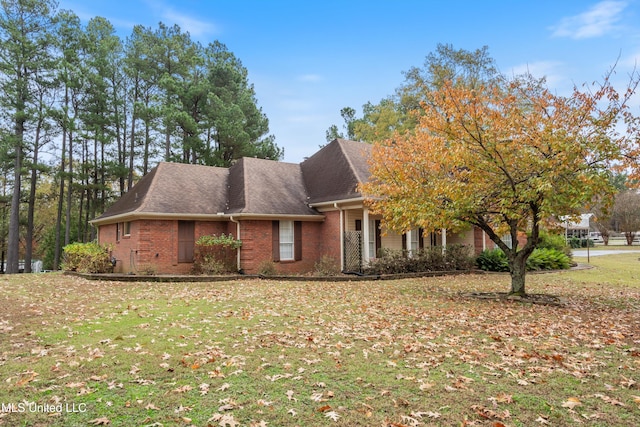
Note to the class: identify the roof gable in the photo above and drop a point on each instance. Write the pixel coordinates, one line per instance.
(175, 188)
(334, 172)
(267, 187)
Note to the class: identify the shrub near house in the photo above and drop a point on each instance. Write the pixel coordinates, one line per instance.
(86, 258)
(216, 254)
(551, 254)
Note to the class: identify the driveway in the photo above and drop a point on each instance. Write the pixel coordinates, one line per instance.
(601, 252)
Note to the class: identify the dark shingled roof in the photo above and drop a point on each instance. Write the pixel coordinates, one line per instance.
(251, 186)
(333, 173)
(267, 187)
(175, 188)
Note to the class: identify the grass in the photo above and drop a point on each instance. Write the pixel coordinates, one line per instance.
(413, 352)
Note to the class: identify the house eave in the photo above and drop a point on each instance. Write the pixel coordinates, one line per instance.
(291, 217)
(339, 202)
(132, 216)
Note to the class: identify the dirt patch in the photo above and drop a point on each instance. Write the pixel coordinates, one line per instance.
(540, 299)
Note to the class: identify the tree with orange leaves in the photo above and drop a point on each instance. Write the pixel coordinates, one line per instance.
(505, 157)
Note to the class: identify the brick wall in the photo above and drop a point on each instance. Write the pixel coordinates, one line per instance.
(318, 239)
(152, 245)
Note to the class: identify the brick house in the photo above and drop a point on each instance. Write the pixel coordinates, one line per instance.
(291, 214)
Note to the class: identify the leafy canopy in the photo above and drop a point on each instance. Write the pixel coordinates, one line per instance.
(504, 155)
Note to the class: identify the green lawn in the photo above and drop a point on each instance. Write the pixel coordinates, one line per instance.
(413, 352)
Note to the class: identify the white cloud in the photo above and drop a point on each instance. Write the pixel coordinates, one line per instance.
(311, 78)
(599, 20)
(631, 61)
(195, 27)
(547, 69)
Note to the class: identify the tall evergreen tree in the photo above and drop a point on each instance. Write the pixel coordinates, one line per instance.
(69, 76)
(24, 25)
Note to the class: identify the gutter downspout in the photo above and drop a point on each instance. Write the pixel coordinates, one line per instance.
(237, 237)
(335, 205)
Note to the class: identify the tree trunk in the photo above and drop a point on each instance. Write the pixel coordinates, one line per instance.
(518, 272)
(63, 165)
(13, 240)
(67, 227)
(28, 251)
(629, 235)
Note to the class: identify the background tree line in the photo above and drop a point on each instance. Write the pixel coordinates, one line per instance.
(83, 113)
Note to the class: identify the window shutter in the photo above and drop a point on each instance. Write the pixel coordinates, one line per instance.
(297, 240)
(186, 240)
(404, 242)
(421, 238)
(275, 240)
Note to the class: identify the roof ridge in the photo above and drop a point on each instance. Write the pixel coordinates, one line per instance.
(145, 200)
(348, 158)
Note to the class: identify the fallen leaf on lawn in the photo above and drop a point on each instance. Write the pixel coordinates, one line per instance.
(571, 403)
(98, 378)
(223, 387)
(28, 377)
(290, 394)
(292, 412)
(225, 420)
(410, 421)
(333, 415)
(324, 408)
(627, 382)
(610, 400)
(317, 397)
(542, 420)
(183, 389)
(226, 407)
(204, 388)
(103, 421)
(75, 385)
(504, 398)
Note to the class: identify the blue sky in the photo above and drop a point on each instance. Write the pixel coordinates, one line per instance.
(309, 59)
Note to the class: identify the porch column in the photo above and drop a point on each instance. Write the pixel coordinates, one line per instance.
(365, 234)
(408, 240)
(444, 239)
(341, 237)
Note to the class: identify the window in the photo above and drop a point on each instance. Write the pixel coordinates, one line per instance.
(375, 238)
(416, 234)
(287, 240)
(507, 240)
(186, 240)
(126, 228)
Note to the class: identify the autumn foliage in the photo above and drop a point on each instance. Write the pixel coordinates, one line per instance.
(506, 157)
